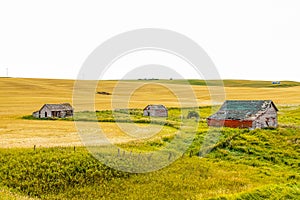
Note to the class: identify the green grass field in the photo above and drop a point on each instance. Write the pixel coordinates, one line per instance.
(241, 164)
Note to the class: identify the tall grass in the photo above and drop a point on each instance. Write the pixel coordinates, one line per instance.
(41, 172)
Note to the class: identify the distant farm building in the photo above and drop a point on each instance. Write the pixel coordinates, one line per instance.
(276, 82)
(245, 114)
(54, 110)
(155, 111)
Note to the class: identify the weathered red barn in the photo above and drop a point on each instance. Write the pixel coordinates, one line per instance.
(245, 114)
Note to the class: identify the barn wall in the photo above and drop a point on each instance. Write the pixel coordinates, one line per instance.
(156, 112)
(43, 110)
(230, 123)
(63, 113)
(146, 112)
(215, 123)
(267, 119)
(159, 113)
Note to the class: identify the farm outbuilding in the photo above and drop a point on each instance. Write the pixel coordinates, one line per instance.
(156, 111)
(245, 114)
(54, 110)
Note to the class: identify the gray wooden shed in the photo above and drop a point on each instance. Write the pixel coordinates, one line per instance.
(54, 110)
(155, 111)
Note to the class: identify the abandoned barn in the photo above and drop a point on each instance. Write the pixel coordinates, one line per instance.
(245, 114)
(54, 110)
(156, 111)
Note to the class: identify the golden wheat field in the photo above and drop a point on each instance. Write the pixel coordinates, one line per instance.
(21, 96)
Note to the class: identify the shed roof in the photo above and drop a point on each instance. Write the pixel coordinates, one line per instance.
(242, 109)
(58, 107)
(158, 106)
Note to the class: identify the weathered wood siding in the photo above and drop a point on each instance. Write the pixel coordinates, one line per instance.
(154, 112)
(45, 112)
(267, 119)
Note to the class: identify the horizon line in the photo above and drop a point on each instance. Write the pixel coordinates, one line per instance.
(150, 79)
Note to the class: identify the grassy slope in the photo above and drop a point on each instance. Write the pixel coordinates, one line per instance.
(253, 164)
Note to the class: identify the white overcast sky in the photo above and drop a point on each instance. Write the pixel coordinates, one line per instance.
(246, 39)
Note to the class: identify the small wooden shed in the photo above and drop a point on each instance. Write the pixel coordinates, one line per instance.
(245, 114)
(54, 110)
(155, 111)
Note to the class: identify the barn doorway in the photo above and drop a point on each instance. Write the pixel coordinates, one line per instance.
(45, 114)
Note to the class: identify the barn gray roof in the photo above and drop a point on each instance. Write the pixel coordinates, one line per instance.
(58, 107)
(242, 109)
